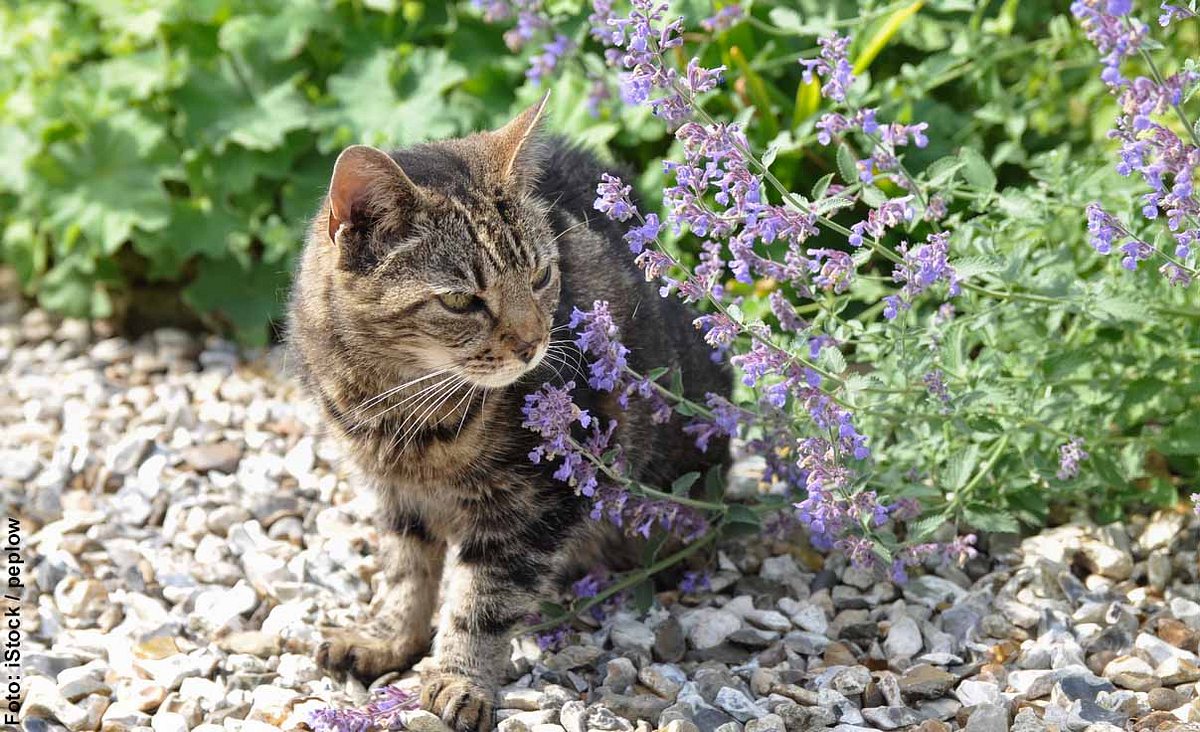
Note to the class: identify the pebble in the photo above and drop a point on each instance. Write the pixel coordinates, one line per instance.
(192, 536)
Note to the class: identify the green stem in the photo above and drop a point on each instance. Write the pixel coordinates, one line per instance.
(982, 473)
(628, 581)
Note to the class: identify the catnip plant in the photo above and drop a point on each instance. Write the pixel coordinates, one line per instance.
(809, 347)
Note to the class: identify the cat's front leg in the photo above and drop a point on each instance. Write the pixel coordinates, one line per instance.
(399, 632)
(495, 583)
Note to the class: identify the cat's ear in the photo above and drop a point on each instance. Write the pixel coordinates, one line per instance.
(517, 147)
(368, 181)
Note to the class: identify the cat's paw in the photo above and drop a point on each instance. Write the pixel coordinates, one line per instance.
(463, 704)
(365, 655)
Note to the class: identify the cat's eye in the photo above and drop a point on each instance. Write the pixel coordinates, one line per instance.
(541, 278)
(459, 302)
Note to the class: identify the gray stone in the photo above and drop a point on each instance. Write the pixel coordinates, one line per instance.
(988, 718)
(663, 679)
(620, 674)
(903, 639)
(738, 705)
(628, 634)
(708, 627)
(891, 717)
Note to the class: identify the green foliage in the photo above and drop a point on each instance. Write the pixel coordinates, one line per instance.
(187, 143)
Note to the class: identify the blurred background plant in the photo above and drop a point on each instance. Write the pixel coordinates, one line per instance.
(159, 160)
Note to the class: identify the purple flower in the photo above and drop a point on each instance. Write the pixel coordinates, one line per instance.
(936, 385)
(640, 237)
(1196, 503)
(723, 20)
(1069, 456)
(1115, 36)
(546, 62)
(385, 711)
(612, 198)
(694, 582)
(960, 549)
(553, 639)
(832, 65)
(922, 267)
(1172, 12)
(726, 420)
(597, 337)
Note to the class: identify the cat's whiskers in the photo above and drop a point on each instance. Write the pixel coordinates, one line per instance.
(467, 411)
(446, 386)
(368, 403)
(558, 360)
(576, 358)
(423, 390)
(568, 230)
(458, 404)
(425, 415)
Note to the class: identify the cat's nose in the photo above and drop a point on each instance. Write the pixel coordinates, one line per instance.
(524, 350)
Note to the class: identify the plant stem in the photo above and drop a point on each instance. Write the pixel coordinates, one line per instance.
(628, 581)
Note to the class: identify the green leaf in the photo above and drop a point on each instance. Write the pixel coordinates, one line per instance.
(832, 360)
(976, 170)
(279, 35)
(714, 483)
(925, 527)
(740, 520)
(967, 267)
(992, 520)
(822, 185)
(234, 298)
(1119, 307)
(653, 546)
(643, 595)
(961, 466)
(942, 171)
(873, 197)
(220, 107)
(847, 165)
(107, 183)
(684, 483)
(551, 610)
(371, 109)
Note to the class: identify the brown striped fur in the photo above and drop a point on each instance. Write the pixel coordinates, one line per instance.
(446, 454)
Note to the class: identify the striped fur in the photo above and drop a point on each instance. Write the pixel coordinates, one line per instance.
(445, 451)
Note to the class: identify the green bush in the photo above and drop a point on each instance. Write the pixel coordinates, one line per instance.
(159, 158)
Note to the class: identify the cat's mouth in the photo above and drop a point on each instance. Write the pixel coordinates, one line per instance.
(512, 370)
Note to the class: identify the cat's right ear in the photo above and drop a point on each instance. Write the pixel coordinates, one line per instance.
(368, 181)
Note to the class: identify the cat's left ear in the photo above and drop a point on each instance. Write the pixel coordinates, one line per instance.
(517, 146)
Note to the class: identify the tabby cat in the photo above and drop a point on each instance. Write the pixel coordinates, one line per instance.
(423, 312)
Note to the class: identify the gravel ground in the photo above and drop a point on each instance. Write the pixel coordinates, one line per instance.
(186, 536)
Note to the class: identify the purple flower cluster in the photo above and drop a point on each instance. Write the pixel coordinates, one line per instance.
(1172, 12)
(530, 15)
(637, 44)
(957, 551)
(1196, 503)
(1150, 148)
(552, 414)
(725, 19)
(832, 66)
(385, 711)
(597, 337)
(935, 382)
(694, 582)
(717, 193)
(1116, 37)
(1069, 456)
(546, 62)
(923, 266)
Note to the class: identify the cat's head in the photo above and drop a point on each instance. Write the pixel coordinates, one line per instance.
(441, 258)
